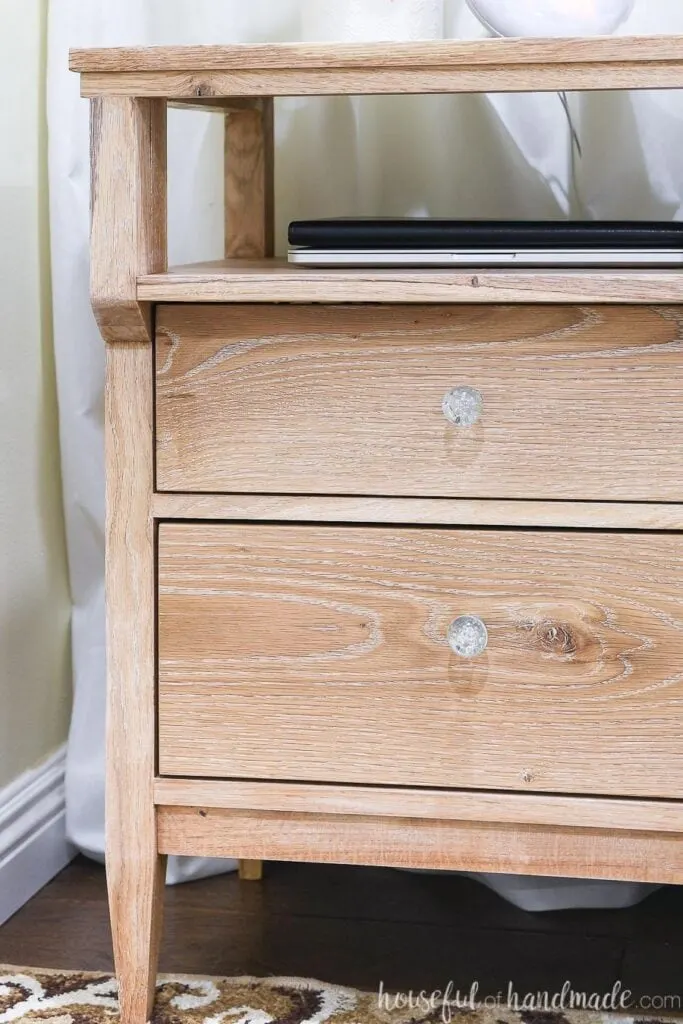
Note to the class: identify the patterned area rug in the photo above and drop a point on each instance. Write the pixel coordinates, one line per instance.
(64, 997)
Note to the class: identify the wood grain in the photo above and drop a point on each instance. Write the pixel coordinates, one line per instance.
(135, 871)
(278, 281)
(438, 67)
(422, 511)
(579, 403)
(474, 78)
(249, 182)
(308, 56)
(128, 200)
(320, 654)
(414, 843)
(439, 804)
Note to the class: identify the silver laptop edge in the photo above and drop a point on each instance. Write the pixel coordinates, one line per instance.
(552, 258)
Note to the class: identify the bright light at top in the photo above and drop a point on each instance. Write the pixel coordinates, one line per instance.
(552, 17)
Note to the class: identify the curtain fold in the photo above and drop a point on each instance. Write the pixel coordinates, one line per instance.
(441, 156)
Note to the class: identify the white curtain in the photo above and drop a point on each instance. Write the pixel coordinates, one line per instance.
(442, 156)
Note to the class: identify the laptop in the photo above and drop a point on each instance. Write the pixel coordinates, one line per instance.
(422, 242)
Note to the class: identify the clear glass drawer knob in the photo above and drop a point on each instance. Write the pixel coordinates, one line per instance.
(468, 636)
(463, 406)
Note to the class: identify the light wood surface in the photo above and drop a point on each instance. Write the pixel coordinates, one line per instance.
(423, 511)
(445, 805)
(414, 843)
(635, 50)
(251, 870)
(578, 402)
(441, 67)
(278, 281)
(474, 78)
(135, 871)
(249, 182)
(320, 654)
(128, 200)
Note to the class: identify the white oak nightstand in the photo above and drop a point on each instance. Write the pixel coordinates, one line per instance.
(394, 568)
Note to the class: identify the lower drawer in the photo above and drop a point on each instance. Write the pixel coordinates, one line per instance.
(329, 654)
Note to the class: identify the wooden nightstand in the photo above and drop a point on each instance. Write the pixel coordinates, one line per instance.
(394, 569)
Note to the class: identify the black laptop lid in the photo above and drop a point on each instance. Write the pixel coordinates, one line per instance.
(423, 233)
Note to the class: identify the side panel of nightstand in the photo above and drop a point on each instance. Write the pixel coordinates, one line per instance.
(128, 236)
(128, 240)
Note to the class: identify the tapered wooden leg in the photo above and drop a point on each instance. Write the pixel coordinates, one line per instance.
(251, 870)
(136, 896)
(135, 871)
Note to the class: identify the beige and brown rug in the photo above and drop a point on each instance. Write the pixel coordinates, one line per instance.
(67, 997)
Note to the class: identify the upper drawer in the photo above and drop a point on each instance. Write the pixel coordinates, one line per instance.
(575, 403)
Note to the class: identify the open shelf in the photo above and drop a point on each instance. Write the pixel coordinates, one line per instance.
(276, 281)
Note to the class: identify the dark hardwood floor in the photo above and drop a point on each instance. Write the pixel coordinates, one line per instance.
(363, 926)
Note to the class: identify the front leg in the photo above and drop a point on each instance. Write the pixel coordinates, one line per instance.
(135, 870)
(136, 894)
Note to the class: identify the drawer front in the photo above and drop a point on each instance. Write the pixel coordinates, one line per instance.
(323, 654)
(569, 403)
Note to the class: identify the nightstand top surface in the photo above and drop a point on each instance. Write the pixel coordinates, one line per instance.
(634, 50)
(443, 66)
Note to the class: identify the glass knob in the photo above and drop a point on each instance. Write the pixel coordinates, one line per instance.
(468, 636)
(463, 406)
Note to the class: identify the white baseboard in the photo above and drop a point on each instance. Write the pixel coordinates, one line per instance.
(33, 843)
